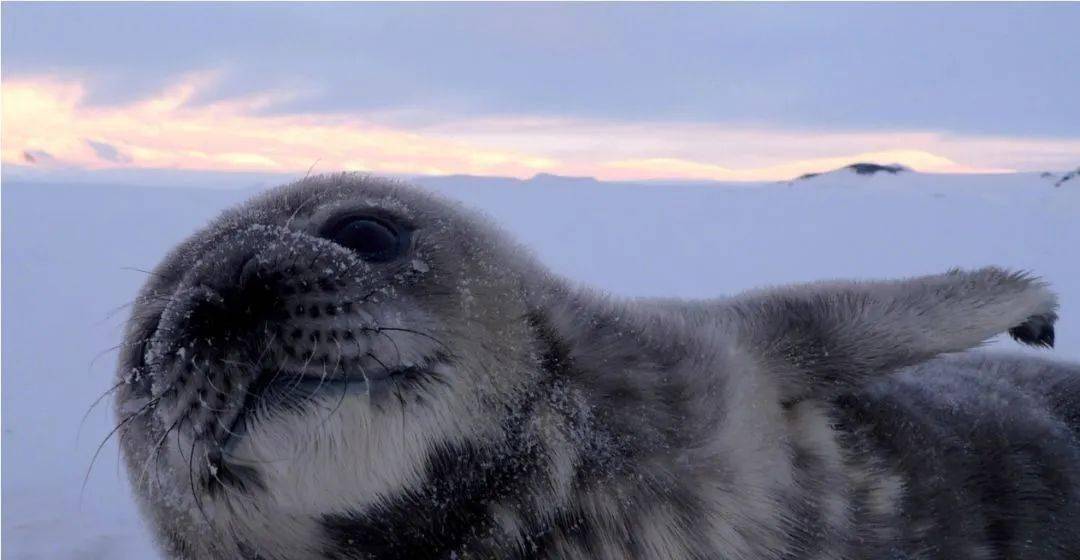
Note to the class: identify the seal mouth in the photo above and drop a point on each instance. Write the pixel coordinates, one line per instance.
(279, 390)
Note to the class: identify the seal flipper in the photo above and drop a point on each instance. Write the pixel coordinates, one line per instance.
(831, 337)
(1038, 330)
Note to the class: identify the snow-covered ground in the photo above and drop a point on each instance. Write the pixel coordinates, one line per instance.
(71, 254)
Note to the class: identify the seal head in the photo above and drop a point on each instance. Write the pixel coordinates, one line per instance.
(303, 353)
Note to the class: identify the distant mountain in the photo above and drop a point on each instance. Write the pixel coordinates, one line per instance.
(858, 169)
(541, 178)
(1059, 180)
(857, 175)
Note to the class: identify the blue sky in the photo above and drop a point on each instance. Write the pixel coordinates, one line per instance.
(972, 77)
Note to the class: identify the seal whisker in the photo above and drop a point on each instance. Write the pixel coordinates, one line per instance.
(415, 332)
(266, 350)
(381, 364)
(153, 455)
(104, 352)
(112, 432)
(114, 311)
(122, 345)
(148, 272)
(336, 368)
(308, 396)
(397, 350)
(307, 364)
(164, 442)
(341, 398)
(97, 401)
(300, 207)
(180, 448)
(194, 492)
(309, 169)
(140, 299)
(209, 380)
(281, 369)
(165, 300)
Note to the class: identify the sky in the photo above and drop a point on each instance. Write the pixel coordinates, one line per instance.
(623, 92)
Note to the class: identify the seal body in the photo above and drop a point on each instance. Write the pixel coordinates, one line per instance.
(988, 450)
(350, 368)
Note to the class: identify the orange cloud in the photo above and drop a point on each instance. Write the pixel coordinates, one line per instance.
(166, 132)
(45, 120)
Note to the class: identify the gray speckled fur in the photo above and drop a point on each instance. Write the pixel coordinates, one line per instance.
(815, 421)
(988, 447)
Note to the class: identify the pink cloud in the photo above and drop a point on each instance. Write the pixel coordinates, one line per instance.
(46, 115)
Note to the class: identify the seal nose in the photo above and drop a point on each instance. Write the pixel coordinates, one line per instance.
(209, 337)
(233, 302)
(235, 293)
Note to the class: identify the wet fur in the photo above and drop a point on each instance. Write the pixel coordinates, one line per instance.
(810, 421)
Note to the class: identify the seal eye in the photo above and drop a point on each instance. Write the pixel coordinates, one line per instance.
(373, 239)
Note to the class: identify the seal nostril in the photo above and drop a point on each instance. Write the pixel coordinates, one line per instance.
(232, 312)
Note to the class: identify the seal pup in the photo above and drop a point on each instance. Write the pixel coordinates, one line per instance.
(349, 368)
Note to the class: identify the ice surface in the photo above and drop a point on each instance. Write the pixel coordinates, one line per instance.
(70, 254)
